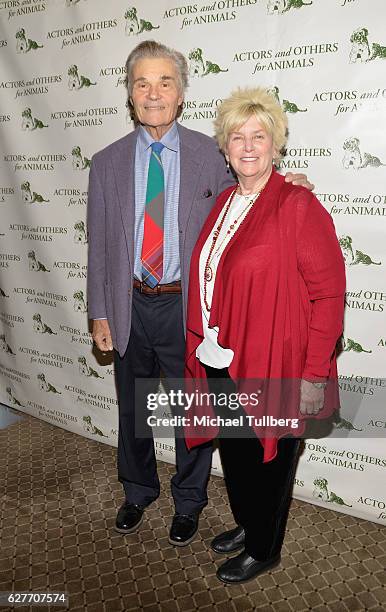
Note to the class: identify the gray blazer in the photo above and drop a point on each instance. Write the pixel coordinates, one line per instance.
(110, 220)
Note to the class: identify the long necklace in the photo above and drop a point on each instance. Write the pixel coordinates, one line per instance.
(251, 201)
(208, 271)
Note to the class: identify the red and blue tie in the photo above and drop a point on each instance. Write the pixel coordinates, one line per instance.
(153, 231)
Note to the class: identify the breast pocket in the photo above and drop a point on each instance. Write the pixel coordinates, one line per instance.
(202, 207)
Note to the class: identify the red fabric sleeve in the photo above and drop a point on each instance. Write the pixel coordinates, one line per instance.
(321, 265)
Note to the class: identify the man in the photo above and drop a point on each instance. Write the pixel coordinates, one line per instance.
(149, 195)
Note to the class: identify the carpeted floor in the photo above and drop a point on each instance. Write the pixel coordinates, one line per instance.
(59, 496)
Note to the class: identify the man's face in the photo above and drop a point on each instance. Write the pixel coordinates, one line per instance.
(156, 94)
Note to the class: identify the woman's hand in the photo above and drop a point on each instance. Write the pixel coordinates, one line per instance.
(311, 397)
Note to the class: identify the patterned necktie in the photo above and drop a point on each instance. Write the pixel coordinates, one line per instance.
(153, 231)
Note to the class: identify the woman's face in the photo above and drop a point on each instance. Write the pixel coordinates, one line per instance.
(250, 150)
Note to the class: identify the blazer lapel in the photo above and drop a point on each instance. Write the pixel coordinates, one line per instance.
(190, 169)
(123, 162)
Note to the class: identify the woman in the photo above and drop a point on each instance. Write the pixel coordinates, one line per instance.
(265, 311)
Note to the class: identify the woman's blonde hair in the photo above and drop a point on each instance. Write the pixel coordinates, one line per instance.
(242, 104)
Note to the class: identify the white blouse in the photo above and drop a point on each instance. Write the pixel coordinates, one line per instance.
(209, 352)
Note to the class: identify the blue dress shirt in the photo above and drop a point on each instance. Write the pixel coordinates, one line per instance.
(170, 157)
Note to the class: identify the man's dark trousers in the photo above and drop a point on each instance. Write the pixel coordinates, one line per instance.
(156, 343)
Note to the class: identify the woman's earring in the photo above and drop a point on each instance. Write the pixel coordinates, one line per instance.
(228, 164)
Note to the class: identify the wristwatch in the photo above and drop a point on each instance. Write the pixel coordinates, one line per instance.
(319, 385)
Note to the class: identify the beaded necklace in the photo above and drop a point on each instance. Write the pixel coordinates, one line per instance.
(208, 271)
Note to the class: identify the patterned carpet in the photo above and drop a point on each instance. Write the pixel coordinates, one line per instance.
(59, 496)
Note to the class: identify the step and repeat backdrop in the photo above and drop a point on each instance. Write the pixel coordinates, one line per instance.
(62, 98)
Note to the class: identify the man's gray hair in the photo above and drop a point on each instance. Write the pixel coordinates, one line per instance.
(151, 48)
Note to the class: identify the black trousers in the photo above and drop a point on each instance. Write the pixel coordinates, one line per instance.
(259, 493)
(156, 343)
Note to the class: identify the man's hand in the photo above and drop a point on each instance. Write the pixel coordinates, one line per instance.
(299, 179)
(311, 397)
(101, 335)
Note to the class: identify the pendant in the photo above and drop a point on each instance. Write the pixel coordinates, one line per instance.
(208, 274)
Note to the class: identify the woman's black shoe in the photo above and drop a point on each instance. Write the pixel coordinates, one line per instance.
(229, 541)
(243, 568)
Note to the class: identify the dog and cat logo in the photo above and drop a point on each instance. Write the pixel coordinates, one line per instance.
(34, 265)
(361, 51)
(288, 107)
(355, 158)
(31, 197)
(322, 491)
(90, 428)
(79, 302)
(4, 346)
(30, 123)
(11, 398)
(352, 345)
(340, 423)
(24, 44)
(40, 327)
(80, 235)
(354, 257)
(86, 370)
(200, 67)
(79, 161)
(135, 25)
(278, 7)
(46, 386)
(77, 81)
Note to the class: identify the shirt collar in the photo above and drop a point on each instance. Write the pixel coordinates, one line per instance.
(171, 140)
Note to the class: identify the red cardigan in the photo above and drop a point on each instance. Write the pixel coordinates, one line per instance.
(278, 301)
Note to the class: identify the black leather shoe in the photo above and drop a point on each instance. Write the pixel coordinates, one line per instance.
(243, 568)
(129, 518)
(229, 541)
(184, 528)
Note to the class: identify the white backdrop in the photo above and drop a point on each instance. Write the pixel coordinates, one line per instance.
(62, 99)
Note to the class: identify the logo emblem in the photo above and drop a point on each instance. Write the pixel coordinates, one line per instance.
(35, 265)
(3, 294)
(340, 423)
(77, 81)
(351, 345)
(91, 429)
(31, 196)
(321, 491)
(135, 25)
(354, 257)
(288, 107)
(12, 399)
(198, 67)
(278, 7)
(360, 48)
(4, 346)
(30, 123)
(355, 158)
(79, 303)
(46, 386)
(79, 161)
(86, 370)
(40, 327)
(80, 236)
(23, 45)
